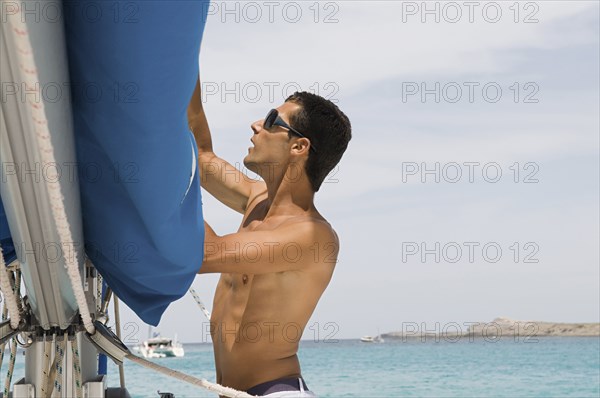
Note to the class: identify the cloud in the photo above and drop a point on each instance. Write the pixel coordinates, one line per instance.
(370, 43)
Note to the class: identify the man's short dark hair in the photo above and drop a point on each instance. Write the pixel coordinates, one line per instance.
(327, 128)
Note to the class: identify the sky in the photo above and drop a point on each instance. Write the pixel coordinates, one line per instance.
(470, 189)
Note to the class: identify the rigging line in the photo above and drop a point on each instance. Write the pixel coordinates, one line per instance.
(200, 303)
(11, 366)
(216, 388)
(76, 368)
(46, 365)
(118, 327)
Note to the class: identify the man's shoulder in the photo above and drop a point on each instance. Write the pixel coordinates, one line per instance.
(314, 220)
(311, 226)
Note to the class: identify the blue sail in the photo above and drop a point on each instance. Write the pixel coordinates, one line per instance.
(133, 67)
(6, 243)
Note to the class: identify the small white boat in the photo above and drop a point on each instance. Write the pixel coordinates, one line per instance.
(161, 347)
(369, 339)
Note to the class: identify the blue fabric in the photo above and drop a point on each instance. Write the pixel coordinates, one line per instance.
(133, 66)
(6, 243)
(102, 364)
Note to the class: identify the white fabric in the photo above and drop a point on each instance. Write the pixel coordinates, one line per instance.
(293, 394)
(193, 172)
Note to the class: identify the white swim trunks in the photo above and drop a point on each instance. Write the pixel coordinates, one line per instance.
(283, 388)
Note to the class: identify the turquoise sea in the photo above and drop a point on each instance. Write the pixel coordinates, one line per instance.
(548, 367)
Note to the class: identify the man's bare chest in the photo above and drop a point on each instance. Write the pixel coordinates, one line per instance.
(255, 219)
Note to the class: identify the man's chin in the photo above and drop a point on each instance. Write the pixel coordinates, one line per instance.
(250, 165)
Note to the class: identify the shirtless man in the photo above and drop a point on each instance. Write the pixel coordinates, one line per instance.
(276, 267)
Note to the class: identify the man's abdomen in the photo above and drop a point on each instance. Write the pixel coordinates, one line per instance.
(245, 363)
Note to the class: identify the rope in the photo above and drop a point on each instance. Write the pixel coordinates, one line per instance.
(216, 388)
(10, 298)
(46, 151)
(99, 283)
(60, 353)
(46, 366)
(11, 366)
(17, 289)
(200, 303)
(52, 374)
(118, 327)
(3, 346)
(76, 368)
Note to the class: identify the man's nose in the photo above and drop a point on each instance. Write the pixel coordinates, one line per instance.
(257, 126)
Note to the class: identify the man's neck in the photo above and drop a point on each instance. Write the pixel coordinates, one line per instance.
(289, 197)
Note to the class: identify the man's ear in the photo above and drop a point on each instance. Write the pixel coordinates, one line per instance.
(300, 146)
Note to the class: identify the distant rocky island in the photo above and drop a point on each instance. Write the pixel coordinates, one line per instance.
(499, 328)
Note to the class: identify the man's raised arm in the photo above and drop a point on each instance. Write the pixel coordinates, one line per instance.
(295, 246)
(222, 180)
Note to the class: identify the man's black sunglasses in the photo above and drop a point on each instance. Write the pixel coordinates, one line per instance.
(273, 119)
